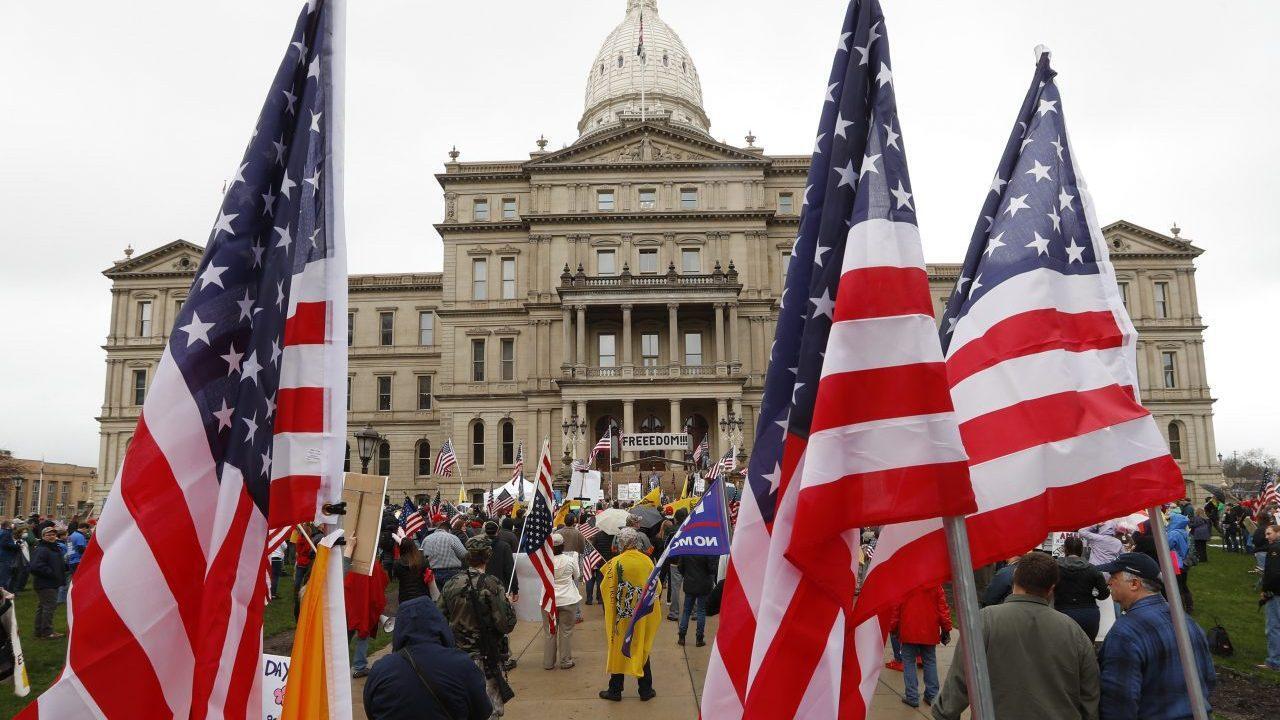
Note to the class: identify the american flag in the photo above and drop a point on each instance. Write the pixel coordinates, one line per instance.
(412, 519)
(242, 430)
(724, 466)
(700, 452)
(1270, 494)
(591, 559)
(536, 538)
(501, 503)
(277, 537)
(580, 466)
(603, 445)
(856, 425)
(517, 472)
(446, 461)
(1042, 363)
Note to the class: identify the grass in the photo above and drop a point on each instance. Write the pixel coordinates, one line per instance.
(1225, 593)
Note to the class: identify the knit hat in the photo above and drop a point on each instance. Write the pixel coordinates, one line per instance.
(479, 544)
(557, 539)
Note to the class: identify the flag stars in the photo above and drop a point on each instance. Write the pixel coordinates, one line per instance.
(290, 98)
(846, 174)
(250, 368)
(823, 305)
(275, 353)
(280, 295)
(271, 405)
(257, 250)
(775, 477)
(287, 185)
(212, 275)
(315, 121)
(285, 237)
(315, 242)
(196, 330)
(268, 203)
(817, 144)
(997, 183)
(902, 197)
(314, 180)
(224, 416)
(843, 45)
(313, 70)
(1046, 107)
(1016, 203)
(233, 360)
(239, 178)
(266, 464)
(993, 243)
(951, 325)
(831, 89)
(279, 145)
(841, 125)
(960, 284)
(1064, 199)
(885, 76)
(1055, 218)
(1040, 171)
(1057, 146)
(818, 252)
(246, 307)
(869, 165)
(1041, 244)
(223, 223)
(1075, 253)
(891, 138)
(252, 424)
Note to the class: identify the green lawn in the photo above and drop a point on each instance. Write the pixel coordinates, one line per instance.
(1224, 592)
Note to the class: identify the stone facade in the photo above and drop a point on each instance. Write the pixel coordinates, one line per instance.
(57, 490)
(629, 279)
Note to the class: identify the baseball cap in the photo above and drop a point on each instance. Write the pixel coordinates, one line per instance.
(1135, 564)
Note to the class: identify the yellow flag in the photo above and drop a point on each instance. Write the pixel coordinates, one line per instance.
(462, 495)
(684, 489)
(560, 516)
(685, 503)
(307, 692)
(653, 498)
(516, 508)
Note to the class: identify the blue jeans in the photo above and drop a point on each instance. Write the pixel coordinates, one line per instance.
(910, 651)
(690, 602)
(1272, 611)
(897, 646)
(443, 575)
(276, 564)
(593, 588)
(361, 660)
(674, 586)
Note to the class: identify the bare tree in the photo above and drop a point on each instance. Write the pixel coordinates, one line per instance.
(1250, 465)
(10, 468)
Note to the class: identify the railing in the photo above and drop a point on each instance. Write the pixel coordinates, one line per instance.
(604, 372)
(652, 371)
(645, 281)
(697, 370)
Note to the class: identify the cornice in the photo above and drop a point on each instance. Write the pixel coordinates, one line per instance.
(481, 227)
(128, 268)
(649, 216)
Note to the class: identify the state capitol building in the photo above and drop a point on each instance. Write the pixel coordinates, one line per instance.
(630, 279)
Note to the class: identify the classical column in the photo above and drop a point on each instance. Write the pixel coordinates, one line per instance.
(675, 428)
(582, 336)
(722, 413)
(626, 336)
(673, 335)
(719, 312)
(567, 340)
(733, 333)
(628, 417)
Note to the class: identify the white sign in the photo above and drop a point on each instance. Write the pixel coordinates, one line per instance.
(275, 671)
(654, 441)
(586, 485)
(629, 492)
(699, 484)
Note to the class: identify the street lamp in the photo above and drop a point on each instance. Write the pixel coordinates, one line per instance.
(367, 441)
(731, 425)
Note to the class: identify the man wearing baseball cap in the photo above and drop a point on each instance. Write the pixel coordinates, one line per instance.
(1141, 672)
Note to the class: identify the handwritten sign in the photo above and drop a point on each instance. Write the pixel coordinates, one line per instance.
(275, 671)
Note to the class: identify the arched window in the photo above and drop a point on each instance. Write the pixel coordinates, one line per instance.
(346, 459)
(1175, 440)
(384, 458)
(665, 60)
(652, 424)
(477, 444)
(424, 457)
(619, 61)
(508, 432)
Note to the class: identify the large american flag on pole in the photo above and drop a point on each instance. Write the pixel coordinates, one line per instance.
(536, 538)
(243, 429)
(856, 425)
(1042, 363)
(446, 461)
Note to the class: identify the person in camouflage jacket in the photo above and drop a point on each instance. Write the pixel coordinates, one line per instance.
(457, 606)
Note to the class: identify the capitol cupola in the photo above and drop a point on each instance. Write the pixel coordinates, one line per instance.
(630, 81)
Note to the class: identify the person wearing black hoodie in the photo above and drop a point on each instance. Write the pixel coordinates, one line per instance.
(425, 677)
(1080, 587)
(49, 569)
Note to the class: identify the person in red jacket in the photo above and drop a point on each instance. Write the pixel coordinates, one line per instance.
(366, 598)
(921, 621)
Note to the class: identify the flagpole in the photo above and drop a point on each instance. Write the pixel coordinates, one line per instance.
(1190, 674)
(977, 676)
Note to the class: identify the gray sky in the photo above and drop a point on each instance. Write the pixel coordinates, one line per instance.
(119, 123)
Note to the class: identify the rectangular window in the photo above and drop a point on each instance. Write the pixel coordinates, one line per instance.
(786, 206)
(139, 386)
(1162, 300)
(386, 328)
(690, 261)
(384, 392)
(144, 318)
(508, 278)
(648, 198)
(1169, 366)
(693, 349)
(1124, 294)
(606, 262)
(507, 359)
(351, 329)
(608, 350)
(348, 393)
(477, 361)
(605, 200)
(479, 279)
(688, 199)
(426, 328)
(177, 307)
(480, 210)
(424, 392)
(649, 349)
(508, 208)
(786, 265)
(649, 261)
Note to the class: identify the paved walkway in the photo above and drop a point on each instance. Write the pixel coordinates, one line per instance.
(678, 675)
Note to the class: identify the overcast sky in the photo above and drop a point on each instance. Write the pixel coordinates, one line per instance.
(119, 123)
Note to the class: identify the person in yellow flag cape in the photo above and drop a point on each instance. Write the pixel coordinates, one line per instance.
(319, 683)
(462, 495)
(654, 497)
(684, 503)
(623, 584)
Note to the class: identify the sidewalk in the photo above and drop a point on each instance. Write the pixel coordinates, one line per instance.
(678, 674)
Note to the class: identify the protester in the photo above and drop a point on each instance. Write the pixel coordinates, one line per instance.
(49, 568)
(8, 554)
(1231, 527)
(1260, 541)
(414, 578)
(77, 541)
(21, 558)
(1180, 544)
(603, 543)
(1103, 542)
(1080, 587)
(574, 542)
(506, 534)
(476, 606)
(64, 547)
(1201, 530)
(304, 553)
(1141, 673)
(624, 580)
(425, 677)
(698, 573)
(1270, 599)
(921, 621)
(1211, 511)
(675, 580)
(567, 573)
(277, 564)
(445, 552)
(365, 597)
(502, 563)
(1001, 584)
(1040, 662)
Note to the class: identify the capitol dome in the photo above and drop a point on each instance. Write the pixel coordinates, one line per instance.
(665, 75)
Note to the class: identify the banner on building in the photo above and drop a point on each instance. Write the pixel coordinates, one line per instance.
(637, 442)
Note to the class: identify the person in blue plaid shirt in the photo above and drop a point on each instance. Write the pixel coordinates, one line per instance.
(1141, 672)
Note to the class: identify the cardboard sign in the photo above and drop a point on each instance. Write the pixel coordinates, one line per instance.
(364, 497)
(629, 492)
(636, 442)
(275, 672)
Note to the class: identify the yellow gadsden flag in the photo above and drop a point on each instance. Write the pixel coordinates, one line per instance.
(653, 498)
(318, 670)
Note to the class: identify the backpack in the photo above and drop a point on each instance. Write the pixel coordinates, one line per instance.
(713, 600)
(1220, 641)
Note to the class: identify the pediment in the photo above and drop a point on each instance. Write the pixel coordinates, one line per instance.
(1124, 237)
(643, 144)
(179, 256)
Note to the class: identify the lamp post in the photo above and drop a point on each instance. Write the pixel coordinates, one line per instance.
(731, 425)
(573, 428)
(367, 441)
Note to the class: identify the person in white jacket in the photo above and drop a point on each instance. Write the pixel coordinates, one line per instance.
(1103, 544)
(568, 573)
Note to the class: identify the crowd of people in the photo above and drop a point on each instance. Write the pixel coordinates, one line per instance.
(46, 553)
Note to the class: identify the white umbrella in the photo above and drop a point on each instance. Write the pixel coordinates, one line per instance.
(612, 520)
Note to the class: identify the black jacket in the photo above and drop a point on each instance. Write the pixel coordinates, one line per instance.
(502, 563)
(1000, 588)
(395, 692)
(1080, 585)
(48, 567)
(699, 573)
(410, 581)
(1260, 537)
(1271, 569)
